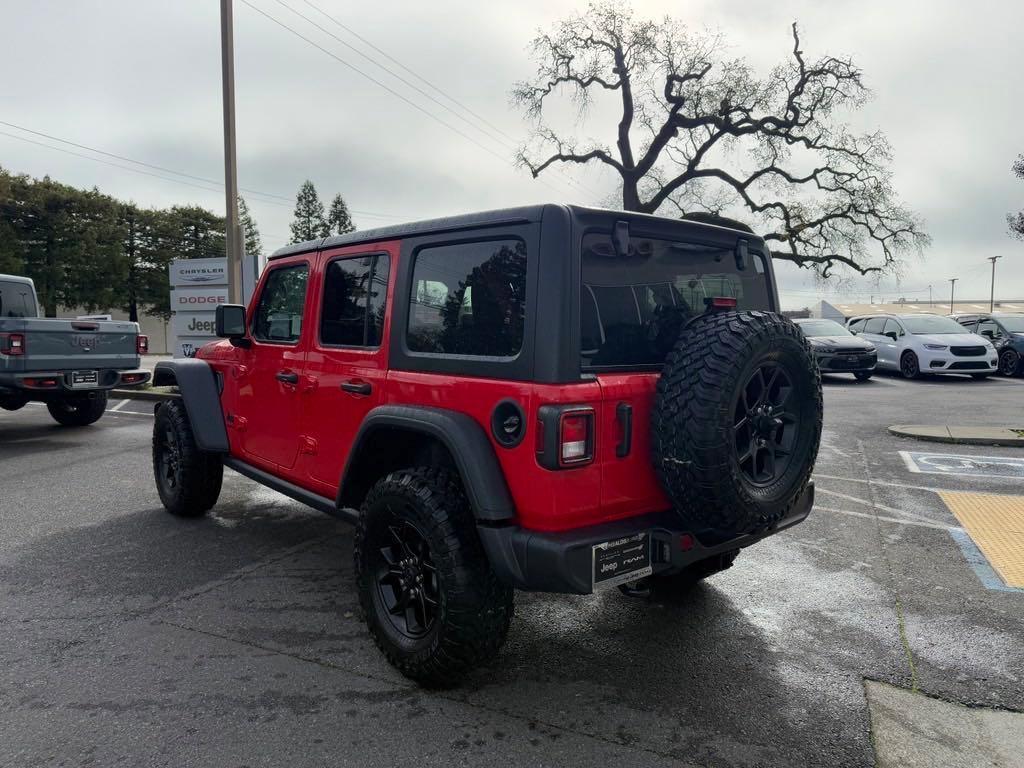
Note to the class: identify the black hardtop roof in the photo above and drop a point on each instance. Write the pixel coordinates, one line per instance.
(520, 215)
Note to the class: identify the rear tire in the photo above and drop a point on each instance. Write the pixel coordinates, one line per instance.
(909, 366)
(13, 402)
(863, 375)
(187, 479)
(78, 411)
(430, 599)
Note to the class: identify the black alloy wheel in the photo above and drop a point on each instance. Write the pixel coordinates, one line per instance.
(764, 430)
(909, 366)
(168, 461)
(1009, 362)
(407, 583)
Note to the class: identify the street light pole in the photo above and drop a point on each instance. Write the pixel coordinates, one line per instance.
(233, 240)
(952, 285)
(992, 294)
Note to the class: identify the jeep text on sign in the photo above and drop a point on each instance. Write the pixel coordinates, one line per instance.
(184, 324)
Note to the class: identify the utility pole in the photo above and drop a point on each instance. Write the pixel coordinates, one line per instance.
(992, 294)
(234, 229)
(952, 285)
(930, 303)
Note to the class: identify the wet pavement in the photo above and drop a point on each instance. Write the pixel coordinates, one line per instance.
(129, 637)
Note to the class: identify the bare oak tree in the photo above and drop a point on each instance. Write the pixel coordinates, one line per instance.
(699, 132)
(1015, 221)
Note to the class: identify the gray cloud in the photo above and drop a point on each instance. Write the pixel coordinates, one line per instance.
(142, 79)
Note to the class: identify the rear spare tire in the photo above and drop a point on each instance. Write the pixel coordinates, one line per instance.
(737, 421)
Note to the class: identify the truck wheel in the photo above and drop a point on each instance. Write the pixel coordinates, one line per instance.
(737, 422)
(78, 411)
(187, 479)
(12, 402)
(431, 601)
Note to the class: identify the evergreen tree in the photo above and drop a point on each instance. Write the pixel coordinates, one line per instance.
(251, 235)
(338, 218)
(309, 223)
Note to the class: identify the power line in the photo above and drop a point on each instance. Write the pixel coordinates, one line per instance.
(218, 186)
(387, 88)
(502, 138)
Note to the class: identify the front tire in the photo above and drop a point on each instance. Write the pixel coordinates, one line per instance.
(909, 366)
(78, 411)
(863, 375)
(13, 402)
(430, 599)
(1009, 363)
(187, 479)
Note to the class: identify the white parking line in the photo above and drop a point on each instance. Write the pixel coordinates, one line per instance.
(900, 521)
(118, 407)
(875, 505)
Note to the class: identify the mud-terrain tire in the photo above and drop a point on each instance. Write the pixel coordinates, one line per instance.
(737, 422)
(78, 411)
(187, 479)
(416, 545)
(13, 402)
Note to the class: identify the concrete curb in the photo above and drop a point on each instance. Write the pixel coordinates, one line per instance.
(141, 394)
(958, 435)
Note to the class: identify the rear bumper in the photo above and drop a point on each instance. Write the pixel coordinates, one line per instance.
(40, 384)
(562, 562)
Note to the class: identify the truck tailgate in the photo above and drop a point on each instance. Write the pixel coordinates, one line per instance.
(53, 344)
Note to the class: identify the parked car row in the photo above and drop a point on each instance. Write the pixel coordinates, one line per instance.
(919, 344)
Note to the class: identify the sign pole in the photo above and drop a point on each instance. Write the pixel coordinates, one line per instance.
(233, 240)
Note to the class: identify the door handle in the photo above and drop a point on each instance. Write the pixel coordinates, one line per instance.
(357, 387)
(287, 377)
(624, 416)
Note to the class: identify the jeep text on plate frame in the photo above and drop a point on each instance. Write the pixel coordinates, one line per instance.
(616, 562)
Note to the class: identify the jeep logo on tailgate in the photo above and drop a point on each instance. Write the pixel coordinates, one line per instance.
(85, 343)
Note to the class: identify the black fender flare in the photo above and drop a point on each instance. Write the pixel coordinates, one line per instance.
(197, 382)
(465, 440)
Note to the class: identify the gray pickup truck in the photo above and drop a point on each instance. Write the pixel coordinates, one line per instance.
(69, 365)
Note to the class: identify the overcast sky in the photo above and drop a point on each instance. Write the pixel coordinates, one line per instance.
(141, 78)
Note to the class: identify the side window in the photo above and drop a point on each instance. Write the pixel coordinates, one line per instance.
(469, 299)
(988, 328)
(970, 325)
(874, 325)
(355, 293)
(856, 326)
(278, 316)
(891, 326)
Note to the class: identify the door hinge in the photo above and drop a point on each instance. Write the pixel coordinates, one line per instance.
(308, 445)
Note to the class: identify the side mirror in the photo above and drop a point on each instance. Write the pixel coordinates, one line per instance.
(988, 333)
(230, 321)
(892, 335)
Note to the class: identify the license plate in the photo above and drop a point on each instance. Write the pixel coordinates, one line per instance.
(621, 560)
(85, 379)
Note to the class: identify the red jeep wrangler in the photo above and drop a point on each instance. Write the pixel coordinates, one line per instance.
(543, 398)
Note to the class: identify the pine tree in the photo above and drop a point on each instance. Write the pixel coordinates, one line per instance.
(339, 219)
(250, 233)
(309, 223)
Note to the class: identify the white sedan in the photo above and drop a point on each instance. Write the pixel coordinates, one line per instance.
(924, 343)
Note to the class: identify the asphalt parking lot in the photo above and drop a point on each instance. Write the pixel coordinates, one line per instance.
(128, 637)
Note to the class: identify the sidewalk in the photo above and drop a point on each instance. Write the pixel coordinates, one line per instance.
(960, 435)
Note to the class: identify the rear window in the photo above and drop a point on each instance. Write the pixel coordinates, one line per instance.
(631, 306)
(16, 300)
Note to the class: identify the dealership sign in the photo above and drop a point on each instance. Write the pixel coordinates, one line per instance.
(193, 324)
(199, 272)
(192, 299)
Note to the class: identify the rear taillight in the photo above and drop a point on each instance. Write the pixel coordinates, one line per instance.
(12, 344)
(45, 382)
(142, 344)
(132, 378)
(576, 437)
